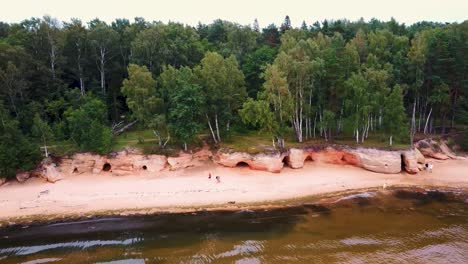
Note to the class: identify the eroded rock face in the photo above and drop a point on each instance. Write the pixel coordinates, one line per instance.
(23, 176)
(184, 160)
(338, 157)
(151, 163)
(379, 160)
(431, 148)
(120, 164)
(419, 156)
(410, 159)
(83, 163)
(370, 159)
(203, 155)
(127, 163)
(51, 174)
(297, 157)
(272, 162)
(2, 181)
(447, 151)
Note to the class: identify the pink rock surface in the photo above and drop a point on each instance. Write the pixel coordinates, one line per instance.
(272, 162)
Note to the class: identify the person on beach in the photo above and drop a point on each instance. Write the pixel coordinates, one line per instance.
(430, 167)
(209, 175)
(218, 179)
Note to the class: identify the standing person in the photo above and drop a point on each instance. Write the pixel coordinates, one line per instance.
(209, 175)
(430, 166)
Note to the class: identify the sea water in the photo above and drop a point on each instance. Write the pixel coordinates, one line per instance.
(391, 227)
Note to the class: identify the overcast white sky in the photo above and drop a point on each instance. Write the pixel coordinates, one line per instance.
(241, 11)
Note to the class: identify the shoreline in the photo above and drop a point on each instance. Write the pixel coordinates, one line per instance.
(189, 190)
(323, 200)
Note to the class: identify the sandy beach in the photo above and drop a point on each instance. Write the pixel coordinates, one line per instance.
(169, 190)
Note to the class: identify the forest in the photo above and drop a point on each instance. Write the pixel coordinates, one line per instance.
(83, 85)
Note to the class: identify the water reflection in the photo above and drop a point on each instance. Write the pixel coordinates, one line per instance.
(406, 227)
(26, 250)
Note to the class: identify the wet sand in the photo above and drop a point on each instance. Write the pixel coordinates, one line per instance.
(170, 190)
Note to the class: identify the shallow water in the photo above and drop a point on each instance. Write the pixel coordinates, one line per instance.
(403, 227)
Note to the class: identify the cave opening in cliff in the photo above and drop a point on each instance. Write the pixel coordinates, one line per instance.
(144, 167)
(106, 167)
(75, 170)
(309, 158)
(285, 160)
(242, 164)
(403, 166)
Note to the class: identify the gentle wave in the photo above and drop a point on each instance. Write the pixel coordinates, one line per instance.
(27, 250)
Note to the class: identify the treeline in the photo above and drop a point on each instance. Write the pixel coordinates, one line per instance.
(83, 83)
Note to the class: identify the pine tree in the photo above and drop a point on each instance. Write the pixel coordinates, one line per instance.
(256, 26)
(286, 25)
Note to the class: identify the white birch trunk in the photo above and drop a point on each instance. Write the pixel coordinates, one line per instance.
(102, 70)
(45, 146)
(427, 121)
(315, 123)
(211, 129)
(380, 118)
(217, 127)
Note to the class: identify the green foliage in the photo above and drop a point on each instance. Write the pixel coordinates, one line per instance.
(140, 91)
(87, 128)
(17, 152)
(464, 141)
(258, 115)
(160, 44)
(187, 104)
(277, 94)
(253, 67)
(330, 79)
(222, 83)
(394, 113)
(42, 132)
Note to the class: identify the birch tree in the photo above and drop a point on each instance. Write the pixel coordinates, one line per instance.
(75, 49)
(42, 132)
(146, 107)
(102, 39)
(223, 86)
(394, 115)
(51, 27)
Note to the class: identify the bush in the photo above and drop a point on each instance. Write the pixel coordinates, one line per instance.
(17, 153)
(87, 129)
(464, 141)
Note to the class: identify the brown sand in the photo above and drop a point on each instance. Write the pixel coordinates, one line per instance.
(88, 193)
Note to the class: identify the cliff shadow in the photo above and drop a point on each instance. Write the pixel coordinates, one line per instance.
(403, 164)
(242, 164)
(106, 167)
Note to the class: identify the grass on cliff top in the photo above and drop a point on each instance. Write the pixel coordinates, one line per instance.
(135, 138)
(246, 141)
(145, 140)
(254, 142)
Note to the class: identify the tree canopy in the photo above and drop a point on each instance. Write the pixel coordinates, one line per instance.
(79, 83)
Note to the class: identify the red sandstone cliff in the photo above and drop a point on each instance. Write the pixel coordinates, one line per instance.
(125, 163)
